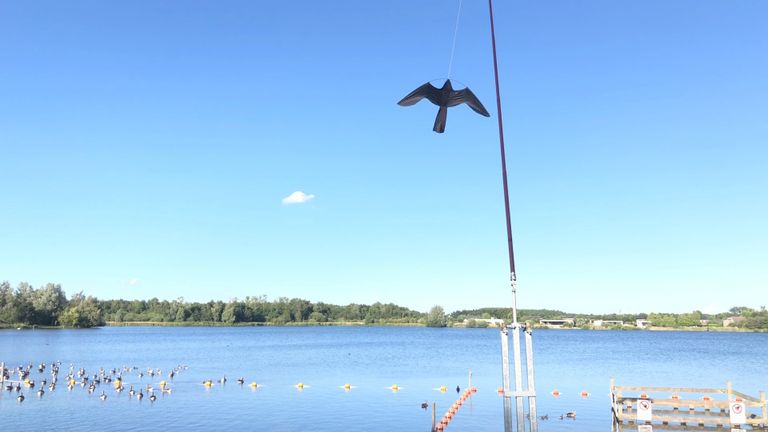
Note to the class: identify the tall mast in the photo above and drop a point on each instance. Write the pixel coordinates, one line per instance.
(512, 275)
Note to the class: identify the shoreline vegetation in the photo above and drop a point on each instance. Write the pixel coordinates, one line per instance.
(48, 307)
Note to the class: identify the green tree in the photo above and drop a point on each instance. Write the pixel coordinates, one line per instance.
(436, 317)
(7, 304)
(48, 303)
(82, 312)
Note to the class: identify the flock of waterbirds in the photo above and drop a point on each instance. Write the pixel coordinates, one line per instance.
(113, 378)
(117, 378)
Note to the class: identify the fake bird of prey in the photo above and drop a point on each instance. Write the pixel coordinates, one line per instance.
(444, 97)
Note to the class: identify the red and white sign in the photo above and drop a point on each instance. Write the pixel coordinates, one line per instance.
(644, 410)
(738, 413)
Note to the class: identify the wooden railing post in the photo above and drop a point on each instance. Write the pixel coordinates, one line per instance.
(434, 415)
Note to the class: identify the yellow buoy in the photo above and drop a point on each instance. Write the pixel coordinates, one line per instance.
(163, 384)
(443, 389)
(300, 386)
(395, 387)
(347, 386)
(253, 384)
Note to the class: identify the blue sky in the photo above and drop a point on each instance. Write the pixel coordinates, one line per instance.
(146, 148)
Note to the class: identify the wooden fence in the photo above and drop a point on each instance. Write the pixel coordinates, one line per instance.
(674, 407)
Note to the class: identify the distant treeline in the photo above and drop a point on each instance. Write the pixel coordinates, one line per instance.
(49, 306)
(256, 310)
(756, 319)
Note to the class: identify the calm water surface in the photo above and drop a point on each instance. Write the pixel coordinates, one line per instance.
(419, 360)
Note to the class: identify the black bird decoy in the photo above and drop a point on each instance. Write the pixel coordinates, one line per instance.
(424, 405)
(444, 97)
(458, 389)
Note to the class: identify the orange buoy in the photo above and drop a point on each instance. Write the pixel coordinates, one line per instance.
(473, 389)
(584, 394)
(643, 396)
(675, 397)
(556, 393)
(706, 398)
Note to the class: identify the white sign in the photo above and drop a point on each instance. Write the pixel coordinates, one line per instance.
(644, 428)
(738, 413)
(644, 410)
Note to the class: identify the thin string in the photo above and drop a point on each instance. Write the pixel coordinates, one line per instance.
(455, 33)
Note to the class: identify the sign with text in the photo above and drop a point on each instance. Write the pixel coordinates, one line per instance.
(644, 428)
(738, 412)
(644, 410)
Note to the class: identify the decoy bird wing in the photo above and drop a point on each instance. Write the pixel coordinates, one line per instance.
(425, 91)
(466, 96)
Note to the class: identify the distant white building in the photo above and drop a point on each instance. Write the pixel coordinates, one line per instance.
(606, 323)
(557, 323)
(492, 322)
(642, 323)
(732, 321)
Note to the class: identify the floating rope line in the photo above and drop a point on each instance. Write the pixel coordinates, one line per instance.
(455, 34)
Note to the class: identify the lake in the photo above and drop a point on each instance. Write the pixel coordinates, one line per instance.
(371, 359)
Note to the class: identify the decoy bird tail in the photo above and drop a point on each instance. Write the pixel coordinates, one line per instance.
(440, 119)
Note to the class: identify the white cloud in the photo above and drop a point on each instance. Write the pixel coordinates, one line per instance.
(134, 282)
(298, 197)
